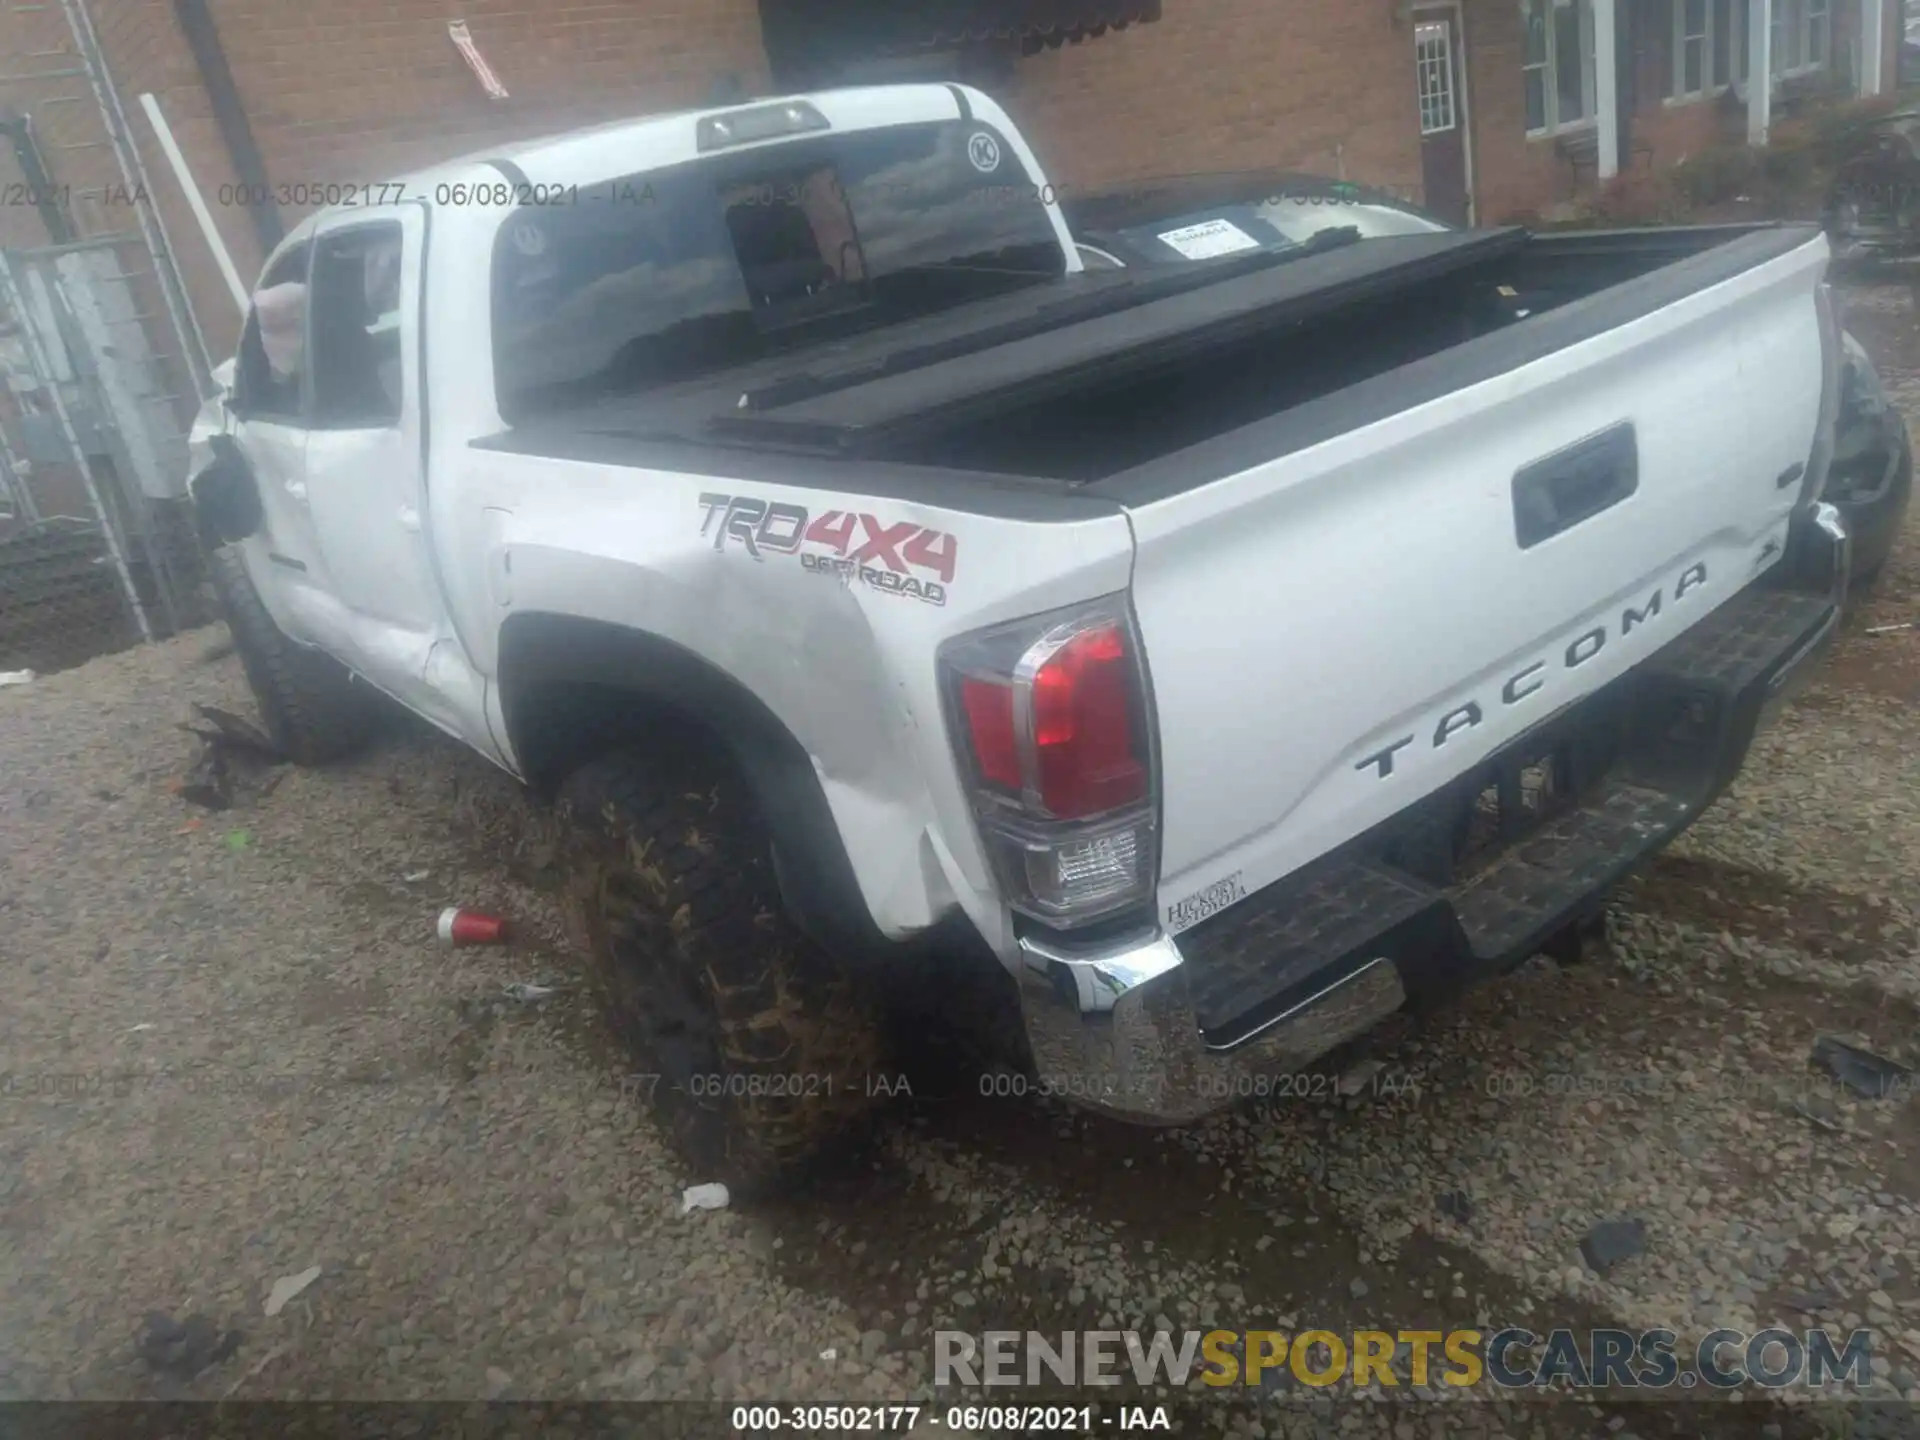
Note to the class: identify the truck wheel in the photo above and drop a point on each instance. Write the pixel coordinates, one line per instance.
(756, 1046)
(313, 708)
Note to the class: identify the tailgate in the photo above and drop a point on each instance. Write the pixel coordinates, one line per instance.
(1336, 633)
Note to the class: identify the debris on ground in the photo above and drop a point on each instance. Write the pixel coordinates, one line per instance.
(237, 839)
(287, 1287)
(458, 926)
(526, 990)
(254, 1369)
(184, 1348)
(1821, 1111)
(414, 877)
(242, 735)
(15, 677)
(210, 782)
(1456, 1206)
(207, 784)
(1861, 1071)
(1889, 629)
(704, 1197)
(1812, 1302)
(1610, 1242)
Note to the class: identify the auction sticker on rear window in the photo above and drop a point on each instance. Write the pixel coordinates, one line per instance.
(1205, 903)
(1208, 239)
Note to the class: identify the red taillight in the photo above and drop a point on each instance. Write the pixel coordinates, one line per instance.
(989, 707)
(1083, 727)
(1051, 717)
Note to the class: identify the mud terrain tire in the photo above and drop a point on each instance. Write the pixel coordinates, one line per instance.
(311, 705)
(753, 1046)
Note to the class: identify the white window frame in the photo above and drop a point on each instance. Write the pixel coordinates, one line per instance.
(1802, 19)
(1550, 72)
(1681, 39)
(1712, 83)
(1435, 123)
(1823, 23)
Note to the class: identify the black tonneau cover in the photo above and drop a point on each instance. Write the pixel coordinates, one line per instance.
(850, 397)
(857, 416)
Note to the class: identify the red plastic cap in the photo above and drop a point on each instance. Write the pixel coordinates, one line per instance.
(1083, 727)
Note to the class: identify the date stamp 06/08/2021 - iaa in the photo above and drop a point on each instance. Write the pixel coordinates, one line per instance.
(970, 1419)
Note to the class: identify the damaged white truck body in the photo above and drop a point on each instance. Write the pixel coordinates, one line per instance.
(1242, 652)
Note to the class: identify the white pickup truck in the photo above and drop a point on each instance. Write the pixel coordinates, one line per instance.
(1239, 652)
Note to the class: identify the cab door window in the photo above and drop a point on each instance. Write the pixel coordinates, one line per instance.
(355, 292)
(273, 343)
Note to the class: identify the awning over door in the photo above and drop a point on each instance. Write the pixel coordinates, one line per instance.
(807, 35)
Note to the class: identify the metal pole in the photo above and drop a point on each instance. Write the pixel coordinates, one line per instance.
(41, 363)
(193, 343)
(194, 201)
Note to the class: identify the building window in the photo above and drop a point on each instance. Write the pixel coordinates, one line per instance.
(1710, 42)
(1557, 68)
(1709, 46)
(1802, 35)
(1819, 29)
(1433, 67)
(1690, 47)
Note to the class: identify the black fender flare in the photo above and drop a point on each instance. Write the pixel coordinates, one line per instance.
(226, 494)
(544, 656)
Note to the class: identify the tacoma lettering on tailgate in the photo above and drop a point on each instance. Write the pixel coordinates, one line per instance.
(842, 543)
(1536, 676)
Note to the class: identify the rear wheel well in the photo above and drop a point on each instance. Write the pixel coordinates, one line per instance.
(557, 726)
(571, 690)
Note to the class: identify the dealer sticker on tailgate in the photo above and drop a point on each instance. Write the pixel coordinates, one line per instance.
(1208, 239)
(1204, 903)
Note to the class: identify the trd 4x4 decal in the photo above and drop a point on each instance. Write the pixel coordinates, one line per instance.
(842, 543)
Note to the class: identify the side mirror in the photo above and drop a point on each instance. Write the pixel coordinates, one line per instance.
(226, 497)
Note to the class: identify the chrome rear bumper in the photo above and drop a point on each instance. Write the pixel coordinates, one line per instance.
(1115, 1030)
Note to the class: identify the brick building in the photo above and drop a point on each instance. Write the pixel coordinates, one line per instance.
(1488, 108)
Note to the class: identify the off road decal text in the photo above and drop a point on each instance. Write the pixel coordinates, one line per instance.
(895, 557)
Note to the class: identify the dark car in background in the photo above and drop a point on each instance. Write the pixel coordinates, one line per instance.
(1872, 213)
(1198, 219)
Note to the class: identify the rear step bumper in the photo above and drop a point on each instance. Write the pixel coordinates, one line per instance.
(1162, 1030)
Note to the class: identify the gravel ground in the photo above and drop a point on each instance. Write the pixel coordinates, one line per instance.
(232, 1051)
